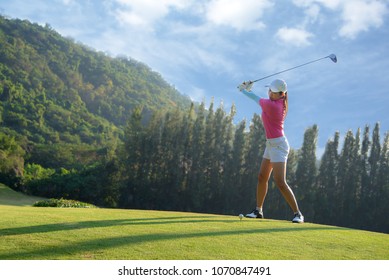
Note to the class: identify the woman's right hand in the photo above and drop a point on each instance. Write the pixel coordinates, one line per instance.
(247, 85)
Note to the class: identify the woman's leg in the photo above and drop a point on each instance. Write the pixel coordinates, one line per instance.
(279, 174)
(263, 178)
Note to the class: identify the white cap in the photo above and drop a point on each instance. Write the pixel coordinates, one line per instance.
(278, 85)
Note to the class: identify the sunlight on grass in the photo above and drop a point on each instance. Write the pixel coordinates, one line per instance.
(42, 233)
(11, 197)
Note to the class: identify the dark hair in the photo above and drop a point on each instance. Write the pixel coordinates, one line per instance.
(285, 102)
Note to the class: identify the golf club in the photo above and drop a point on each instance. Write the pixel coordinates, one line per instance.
(331, 56)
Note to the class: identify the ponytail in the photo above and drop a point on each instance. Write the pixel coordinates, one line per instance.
(286, 103)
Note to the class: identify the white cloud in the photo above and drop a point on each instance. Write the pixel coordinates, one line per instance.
(240, 15)
(313, 12)
(360, 16)
(330, 4)
(294, 36)
(356, 15)
(144, 13)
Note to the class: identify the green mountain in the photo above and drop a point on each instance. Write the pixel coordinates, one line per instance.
(56, 91)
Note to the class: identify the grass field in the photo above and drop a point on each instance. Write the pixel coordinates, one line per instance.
(109, 234)
(10, 197)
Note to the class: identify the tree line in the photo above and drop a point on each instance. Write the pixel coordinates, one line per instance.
(203, 162)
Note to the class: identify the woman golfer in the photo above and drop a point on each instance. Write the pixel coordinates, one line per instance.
(274, 110)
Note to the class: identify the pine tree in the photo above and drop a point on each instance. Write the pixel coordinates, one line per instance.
(364, 206)
(207, 162)
(255, 147)
(234, 191)
(217, 161)
(185, 160)
(306, 173)
(374, 160)
(382, 207)
(172, 147)
(349, 179)
(153, 148)
(370, 156)
(196, 180)
(228, 166)
(134, 134)
(356, 175)
(327, 191)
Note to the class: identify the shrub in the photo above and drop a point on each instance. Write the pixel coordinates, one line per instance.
(63, 203)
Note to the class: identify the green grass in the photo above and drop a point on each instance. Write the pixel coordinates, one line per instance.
(78, 234)
(11, 197)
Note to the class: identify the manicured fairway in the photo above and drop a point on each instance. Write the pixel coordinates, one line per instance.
(59, 233)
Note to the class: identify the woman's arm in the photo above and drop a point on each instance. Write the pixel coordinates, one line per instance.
(251, 95)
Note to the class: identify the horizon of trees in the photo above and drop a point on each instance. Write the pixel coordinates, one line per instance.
(200, 161)
(206, 163)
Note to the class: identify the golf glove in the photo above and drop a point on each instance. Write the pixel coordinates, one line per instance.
(246, 85)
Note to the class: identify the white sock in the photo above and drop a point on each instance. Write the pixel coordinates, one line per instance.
(259, 209)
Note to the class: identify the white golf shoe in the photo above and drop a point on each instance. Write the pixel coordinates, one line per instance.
(298, 218)
(255, 214)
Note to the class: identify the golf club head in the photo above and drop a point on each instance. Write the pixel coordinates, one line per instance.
(333, 58)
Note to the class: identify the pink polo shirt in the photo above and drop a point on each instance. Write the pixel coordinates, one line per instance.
(273, 116)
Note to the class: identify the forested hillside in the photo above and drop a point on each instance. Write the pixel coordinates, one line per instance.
(78, 124)
(53, 90)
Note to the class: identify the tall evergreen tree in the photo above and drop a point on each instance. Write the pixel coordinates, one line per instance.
(185, 160)
(217, 160)
(306, 173)
(255, 147)
(327, 192)
(234, 191)
(365, 174)
(348, 179)
(169, 189)
(208, 159)
(134, 134)
(196, 178)
(374, 159)
(382, 207)
(152, 148)
(356, 178)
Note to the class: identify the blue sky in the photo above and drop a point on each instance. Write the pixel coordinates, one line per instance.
(205, 48)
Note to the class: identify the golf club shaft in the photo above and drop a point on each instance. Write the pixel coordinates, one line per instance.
(328, 56)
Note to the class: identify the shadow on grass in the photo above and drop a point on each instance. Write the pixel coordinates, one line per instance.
(91, 246)
(107, 223)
